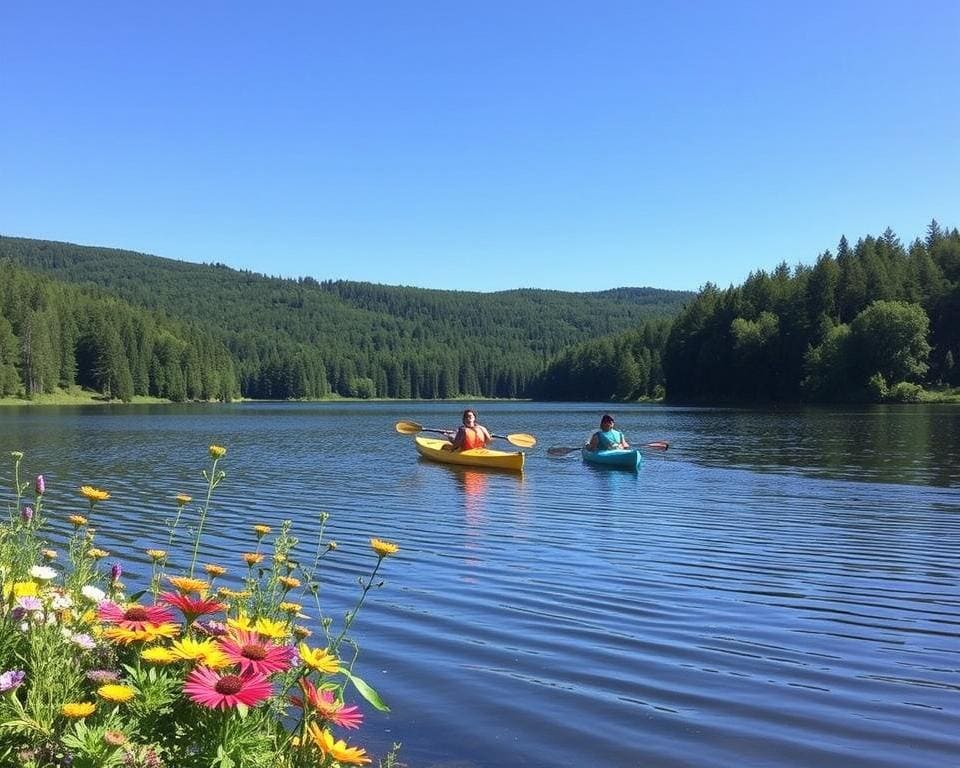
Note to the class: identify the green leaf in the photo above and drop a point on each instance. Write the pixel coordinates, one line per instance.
(365, 690)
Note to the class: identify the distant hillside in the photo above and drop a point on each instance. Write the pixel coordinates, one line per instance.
(304, 338)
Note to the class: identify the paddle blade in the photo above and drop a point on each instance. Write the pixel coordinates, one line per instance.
(522, 440)
(408, 427)
(558, 450)
(658, 445)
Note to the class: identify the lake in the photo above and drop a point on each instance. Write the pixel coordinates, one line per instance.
(780, 588)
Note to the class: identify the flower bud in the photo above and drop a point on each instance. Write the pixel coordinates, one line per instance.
(39, 485)
(115, 572)
(26, 514)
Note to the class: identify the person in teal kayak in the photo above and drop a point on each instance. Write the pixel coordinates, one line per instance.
(607, 438)
(470, 435)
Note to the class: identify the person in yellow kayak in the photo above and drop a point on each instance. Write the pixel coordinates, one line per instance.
(470, 435)
(607, 438)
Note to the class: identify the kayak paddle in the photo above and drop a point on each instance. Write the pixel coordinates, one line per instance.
(519, 439)
(657, 445)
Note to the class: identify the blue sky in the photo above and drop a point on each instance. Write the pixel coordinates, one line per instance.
(482, 146)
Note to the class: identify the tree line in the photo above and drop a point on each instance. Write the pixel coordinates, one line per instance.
(309, 339)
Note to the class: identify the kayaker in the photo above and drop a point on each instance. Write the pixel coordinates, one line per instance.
(607, 438)
(470, 435)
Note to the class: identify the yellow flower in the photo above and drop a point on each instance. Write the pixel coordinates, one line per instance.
(338, 750)
(25, 589)
(117, 693)
(183, 499)
(276, 630)
(289, 582)
(217, 451)
(49, 554)
(96, 553)
(261, 530)
(188, 585)
(78, 520)
(78, 709)
(331, 545)
(214, 570)
(92, 494)
(319, 659)
(253, 558)
(383, 548)
(205, 652)
(157, 555)
(157, 654)
(290, 607)
(232, 594)
(241, 622)
(148, 634)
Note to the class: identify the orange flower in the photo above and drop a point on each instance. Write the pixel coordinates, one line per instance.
(383, 548)
(253, 558)
(338, 750)
(188, 585)
(214, 570)
(92, 494)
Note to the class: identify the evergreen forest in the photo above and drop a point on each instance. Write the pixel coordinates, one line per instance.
(875, 321)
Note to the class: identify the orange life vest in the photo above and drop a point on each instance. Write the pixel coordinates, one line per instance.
(472, 438)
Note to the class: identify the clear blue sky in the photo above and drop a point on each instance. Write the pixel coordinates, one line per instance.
(567, 145)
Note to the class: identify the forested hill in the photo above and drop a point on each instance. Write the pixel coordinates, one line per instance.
(305, 338)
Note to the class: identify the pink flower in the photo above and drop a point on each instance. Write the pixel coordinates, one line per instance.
(134, 617)
(192, 607)
(253, 653)
(211, 690)
(39, 486)
(326, 705)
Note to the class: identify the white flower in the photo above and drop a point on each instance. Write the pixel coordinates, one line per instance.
(93, 594)
(83, 640)
(61, 602)
(43, 573)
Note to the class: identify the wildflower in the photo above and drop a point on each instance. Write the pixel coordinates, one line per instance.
(83, 640)
(338, 750)
(383, 548)
(214, 570)
(278, 558)
(93, 594)
(114, 738)
(190, 607)
(207, 688)
(189, 585)
(261, 530)
(78, 520)
(157, 654)
(325, 704)
(26, 514)
(212, 628)
(289, 582)
(251, 652)
(319, 659)
(102, 676)
(157, 555)
(293, 608)
(78, 709)
(49, 554)
(96, 553)
(301, 633)
(133, 615)
(25, 589)
(205, 652)
(116, 571)
(92, 494)
(39, 486)
(270, 628)
(116, 693)
(16, 455)
(217, 451)
(147, 633)
(11, 679)
(331, 545)
(183, 499)
(29, 604)
(253, 558)
(43, 573)
(61, 601)
(232, 594)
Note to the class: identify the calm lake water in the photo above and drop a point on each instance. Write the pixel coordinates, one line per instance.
(778, 589)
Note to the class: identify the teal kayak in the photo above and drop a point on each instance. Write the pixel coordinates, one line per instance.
(629, 458)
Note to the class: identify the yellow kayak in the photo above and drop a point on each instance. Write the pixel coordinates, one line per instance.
(476, 457)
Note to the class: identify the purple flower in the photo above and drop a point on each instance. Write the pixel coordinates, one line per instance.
(10, 680)
(212, 628)
(116, 572)
(39, 486)
(29, 603)
(102, 676)
(26, 514)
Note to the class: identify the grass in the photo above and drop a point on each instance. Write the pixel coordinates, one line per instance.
(73, 396)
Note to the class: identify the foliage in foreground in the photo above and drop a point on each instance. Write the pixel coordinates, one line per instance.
(182, 673)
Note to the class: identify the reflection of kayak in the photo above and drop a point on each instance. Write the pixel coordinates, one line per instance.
(476, 457)
(625, 459)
